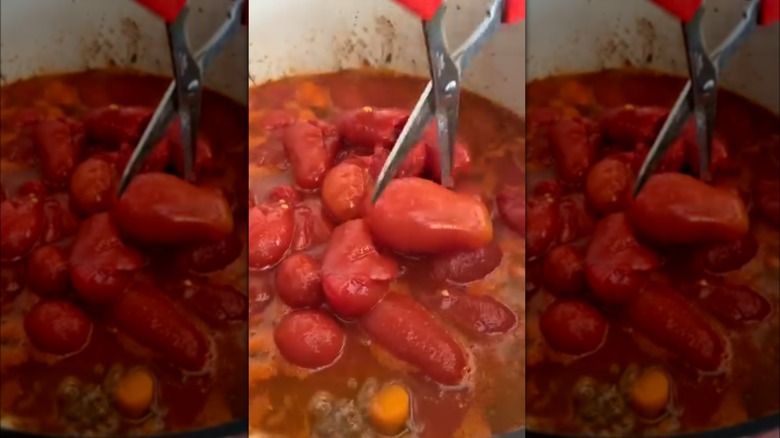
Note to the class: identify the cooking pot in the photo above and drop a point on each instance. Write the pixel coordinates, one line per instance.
(304, 37)
(52, 36)
(575, 36)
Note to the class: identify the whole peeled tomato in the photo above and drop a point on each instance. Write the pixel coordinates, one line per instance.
(271, 227)
(309, 339)
(573, 327)
(57, 327)
(418, 216)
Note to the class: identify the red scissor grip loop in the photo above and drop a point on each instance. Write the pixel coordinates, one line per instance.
(425, 9)
(769, 13)
(514, 11)
(168, 10)
(682, 9)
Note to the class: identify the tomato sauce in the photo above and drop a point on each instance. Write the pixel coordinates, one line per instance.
(423, 291)
(656, 314)
(118, 316)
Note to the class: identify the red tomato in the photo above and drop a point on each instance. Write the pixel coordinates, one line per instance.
(204, 156)
(628, 125)
(574, 145)
(667, 319)
(101, 265)
(158, 208)
(511, 207)
(414, 215)
(413, 165)
(157, 160)
(57, 327)
(309, 339)
(311, 226)
(563, 271)
(608, 186)
(673, 208)
(60, 143)
(461, 160)
(576, 219)
(153, 320)
(371, 127)
(213, 256)
(672, 161)
(284, 193)
(93, 186)
(719, 153)
(767, 195)
(466, 266)
(47, 271)
(616, 264)
(344, 190)
(114, 125)
(22, 225)
(311, 151)
(728, 256)
(476, 315)
(270, 233)
(260, 292)
(407, 330)
(214, 303)
(299, 281)
(32, 188)
(734, 305)
(543, 224)
(60, 220)
(354, 275)
(12, 281)
(573, 327)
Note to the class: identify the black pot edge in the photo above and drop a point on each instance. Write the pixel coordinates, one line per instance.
(743, 430)
(233, 429)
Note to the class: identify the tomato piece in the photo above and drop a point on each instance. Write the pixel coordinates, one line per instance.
(93, 186)
(309, 339)
(543, 224)
(355, 276)
(101, 265)
(311, 226)
(735, 305)
(461, 157)
(563, 271)
(60, 220)
(476, 315)
(674, 208)
(344, 190)
(284, 194)
(511, 207)
(204, 155)
(260, 293)
(728, 256)
(413, 165)
(573, 327)
(576, 219)
(574, 145)
(213, 256)
(22, 223)
(466, 266)
(414, 215)
(12, 281)
(370, 127)
(158, 208)
(214, 303)
(310, 147)
(57, 327)
(157, 160)
(32, 188)
(47, 271)
(767, 195)
(60, 143)
(152, 319)
(628, 125)
(616, 264)
(670, 321)
(608, 186)
(270, 233)
(719, 153)
(113, 125)
(407, 330)
(299, 281)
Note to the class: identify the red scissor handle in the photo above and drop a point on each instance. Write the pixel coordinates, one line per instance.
(769, 13)
(682, 9)
(168, 10)
(514, 11)
(425, 9)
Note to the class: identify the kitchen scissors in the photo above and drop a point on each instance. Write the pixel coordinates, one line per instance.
(699, 96)
(441, 97)
(183, 96)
